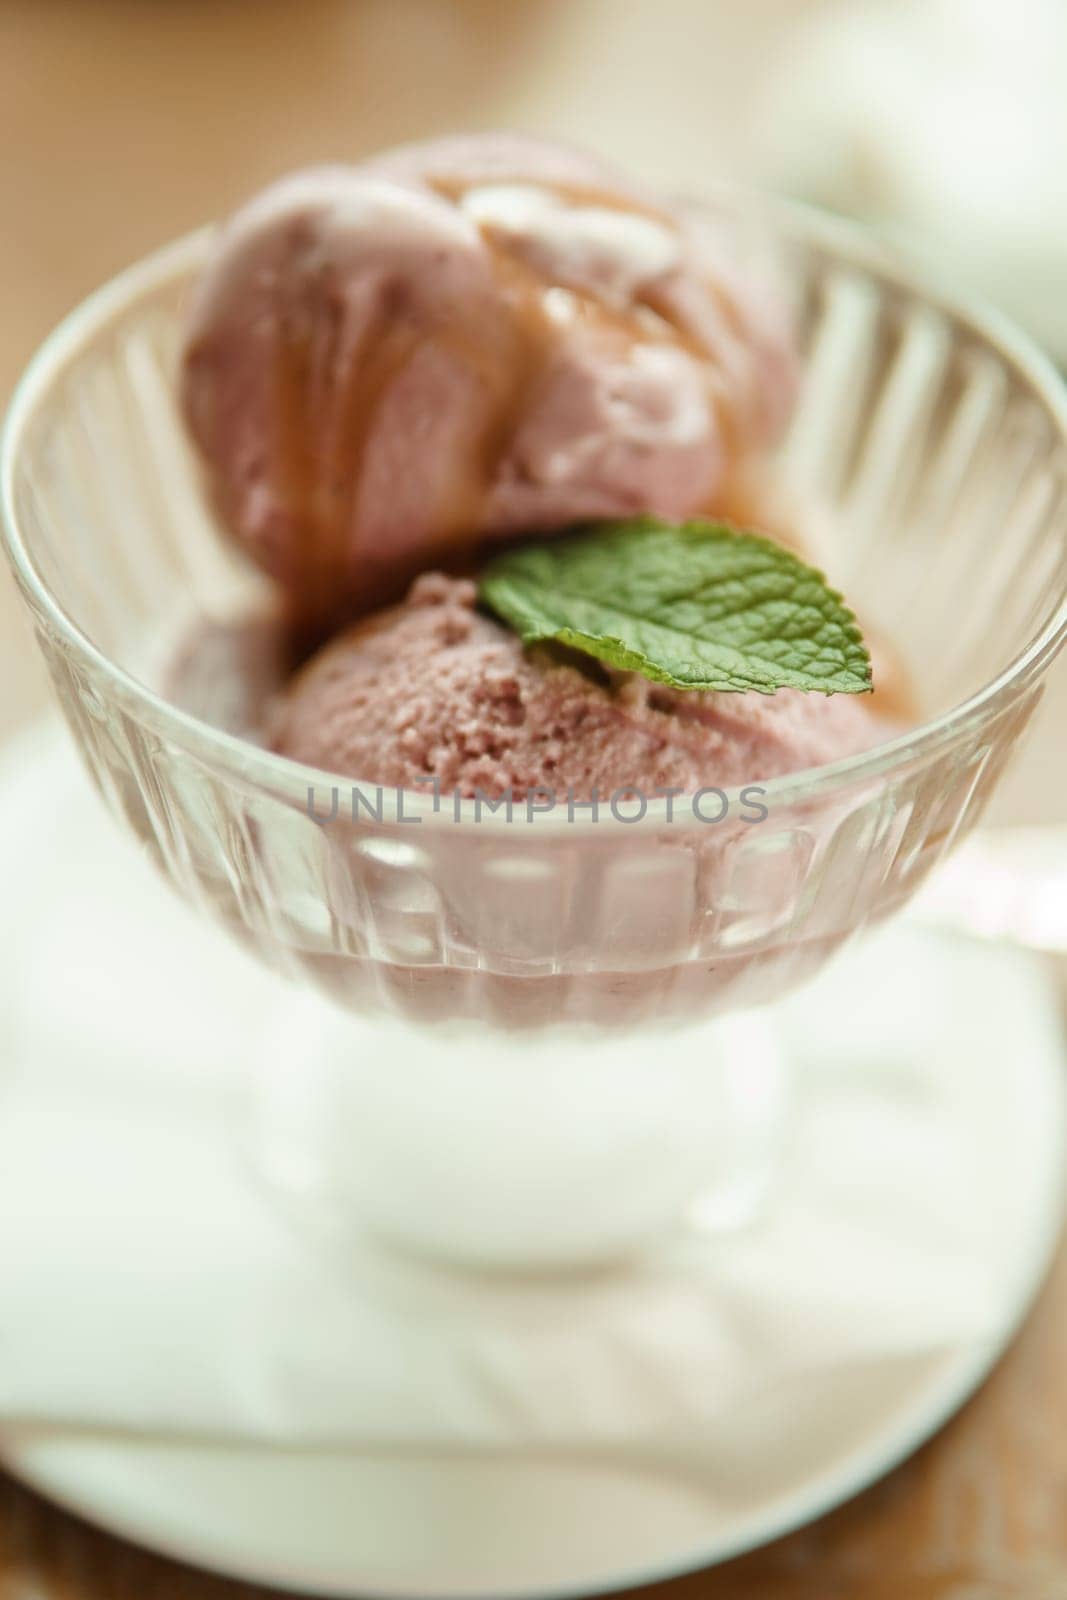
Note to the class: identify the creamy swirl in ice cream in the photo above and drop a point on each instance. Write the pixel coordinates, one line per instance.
(387, 365)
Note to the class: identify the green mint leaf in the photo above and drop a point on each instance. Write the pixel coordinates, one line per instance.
(700, 605)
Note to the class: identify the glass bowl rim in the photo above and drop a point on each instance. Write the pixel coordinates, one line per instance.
(853, 245)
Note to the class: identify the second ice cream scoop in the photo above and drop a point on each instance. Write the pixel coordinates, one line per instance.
(432, 689)
(387, 365)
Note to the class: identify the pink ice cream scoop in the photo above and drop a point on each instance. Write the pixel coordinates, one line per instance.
(432, 688)
(387, 365)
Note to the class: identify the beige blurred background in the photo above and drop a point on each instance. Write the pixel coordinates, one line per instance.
(125, 122)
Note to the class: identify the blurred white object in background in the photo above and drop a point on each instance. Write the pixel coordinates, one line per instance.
(944, 122)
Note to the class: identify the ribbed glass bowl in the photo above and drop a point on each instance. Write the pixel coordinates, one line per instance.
(930, 444)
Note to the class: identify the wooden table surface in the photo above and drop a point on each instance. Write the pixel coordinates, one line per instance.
(125, 123)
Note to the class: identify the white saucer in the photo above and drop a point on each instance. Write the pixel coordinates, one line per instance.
(391, 1522)
(343, 1524)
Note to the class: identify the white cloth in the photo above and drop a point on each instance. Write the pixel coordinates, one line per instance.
(146, 1284)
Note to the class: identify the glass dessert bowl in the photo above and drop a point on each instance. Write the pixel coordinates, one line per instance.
(550, 1051)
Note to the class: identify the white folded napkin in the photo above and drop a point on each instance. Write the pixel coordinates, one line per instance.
(148, 1285)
